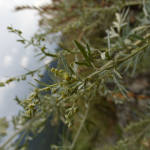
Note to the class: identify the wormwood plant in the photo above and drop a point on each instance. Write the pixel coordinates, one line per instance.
(106, 50)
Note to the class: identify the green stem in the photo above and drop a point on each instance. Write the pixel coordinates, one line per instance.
(80, 128)
(20, 130)
(128, 57)
(111, 64)
(20, 139)
(47, 54)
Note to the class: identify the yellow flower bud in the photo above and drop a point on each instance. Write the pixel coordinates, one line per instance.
(31, 106)
(29, 111)
(75, 78)
(56, 70)
(54, 91)
(67, 77)
(37, 101)
(64, 95)
(48, 88)
(61, 71)
(70, 125)
(53, 69)
(75, 109)
(36, 90)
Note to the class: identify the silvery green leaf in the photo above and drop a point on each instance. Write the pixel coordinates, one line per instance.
(125, 15)
(138, 37)
(32, 85)
(83, 64)
(128, 64)
(103, 55)
(145, 11)
(82, 49)
(41, 82)
(135, 63)
(65, 64)
(89, 51)
(80, 86)
(117, 73)
(86, 104)
(76, 66)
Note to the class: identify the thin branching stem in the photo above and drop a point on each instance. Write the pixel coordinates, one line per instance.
(27, 125)
(80, 128)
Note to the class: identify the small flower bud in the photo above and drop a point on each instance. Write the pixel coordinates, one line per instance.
(54, 91)
(67, 77)
(56, 71)
(70, 125)
(43, 48)
(29, 111)
(23, 78)
(66, 122)
(31, 106)
(19, 32)
(64, 95)
(2, 84)
(75, 78)
(32, 94)
(36, 90)
(71, 113)
(9, 28)
(48, 88)
(75, 109)
(53, 69)
(10, 80)
(37, 101)
(66, 74)
(7, 82)
(41, 76)
(61, 71)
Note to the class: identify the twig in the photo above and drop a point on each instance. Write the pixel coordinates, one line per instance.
(20, 130)
(81, 125)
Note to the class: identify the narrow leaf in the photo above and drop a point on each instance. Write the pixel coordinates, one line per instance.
(117, 74)
(41, 82)
(38, 54)
(41, 58)
(133, 46)
(53, 77)
(88, 48)
(32, 85)
(120, 87)
(83, 64)
(27, 45)
(135, 63)
(22, 41)
(65, 64)
(138, 37)
(128, 64)
(64, 48)
(82, 49)
(107, 31)
(103, 55)
(108, 57)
